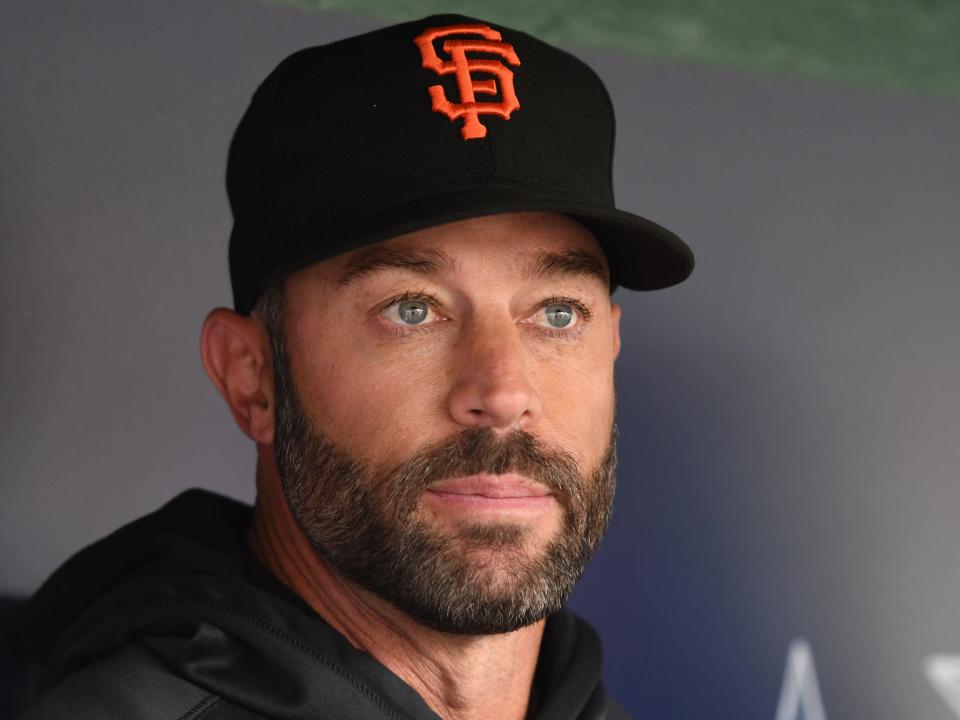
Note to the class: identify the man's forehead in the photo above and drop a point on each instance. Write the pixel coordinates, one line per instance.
(532, 244)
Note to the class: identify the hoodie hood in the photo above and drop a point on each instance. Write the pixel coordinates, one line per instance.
(182, 584)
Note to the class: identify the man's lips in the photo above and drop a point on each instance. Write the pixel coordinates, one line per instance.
(492, 487)
(508, 493)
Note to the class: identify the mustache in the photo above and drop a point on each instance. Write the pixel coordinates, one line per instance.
(482, 450)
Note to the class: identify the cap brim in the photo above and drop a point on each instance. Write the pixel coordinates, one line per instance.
(642, 255)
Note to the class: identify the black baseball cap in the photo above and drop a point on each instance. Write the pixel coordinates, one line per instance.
(420, 124)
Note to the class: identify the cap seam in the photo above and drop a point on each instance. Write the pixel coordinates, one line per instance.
(293, 222)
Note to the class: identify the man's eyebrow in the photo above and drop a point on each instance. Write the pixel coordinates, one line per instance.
(368, 260)
(430, 261)
(568, 262)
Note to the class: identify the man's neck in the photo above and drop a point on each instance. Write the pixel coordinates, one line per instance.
(461, 677)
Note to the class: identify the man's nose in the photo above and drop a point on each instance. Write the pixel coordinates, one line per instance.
(491, 379)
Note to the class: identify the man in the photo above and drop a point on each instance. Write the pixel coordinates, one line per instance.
(422, 348)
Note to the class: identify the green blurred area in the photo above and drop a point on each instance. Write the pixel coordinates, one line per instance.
(913, 45)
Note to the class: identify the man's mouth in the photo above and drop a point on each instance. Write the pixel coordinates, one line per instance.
(480, 494)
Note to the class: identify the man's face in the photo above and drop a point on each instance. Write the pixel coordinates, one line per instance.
(445, 416)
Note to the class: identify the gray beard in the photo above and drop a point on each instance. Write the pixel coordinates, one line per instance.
(365, 522)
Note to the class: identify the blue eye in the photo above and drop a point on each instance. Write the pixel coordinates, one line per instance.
(409, 312)
(412, 312)
(559, 316)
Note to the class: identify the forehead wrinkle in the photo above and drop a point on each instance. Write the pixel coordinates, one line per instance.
(422, 261)
(577, 263)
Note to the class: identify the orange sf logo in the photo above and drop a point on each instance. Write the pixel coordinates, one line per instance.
(469, 108)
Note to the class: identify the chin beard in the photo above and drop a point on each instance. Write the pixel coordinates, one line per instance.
(478, 579)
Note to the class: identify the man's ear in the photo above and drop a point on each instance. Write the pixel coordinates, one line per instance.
(615, 327)
(236, 355)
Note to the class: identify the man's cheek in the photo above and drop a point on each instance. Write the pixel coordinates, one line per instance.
(580, 391)
(580, 422)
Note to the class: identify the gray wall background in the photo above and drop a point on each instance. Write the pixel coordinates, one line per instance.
(788, 417)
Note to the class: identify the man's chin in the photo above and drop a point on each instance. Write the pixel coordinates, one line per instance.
(489, 579)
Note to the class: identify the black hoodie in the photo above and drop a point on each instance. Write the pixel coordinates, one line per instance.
(171, 618)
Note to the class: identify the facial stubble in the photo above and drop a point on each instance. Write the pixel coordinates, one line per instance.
(369, 522)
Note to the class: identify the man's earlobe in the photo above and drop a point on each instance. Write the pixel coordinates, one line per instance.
(236, 355)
